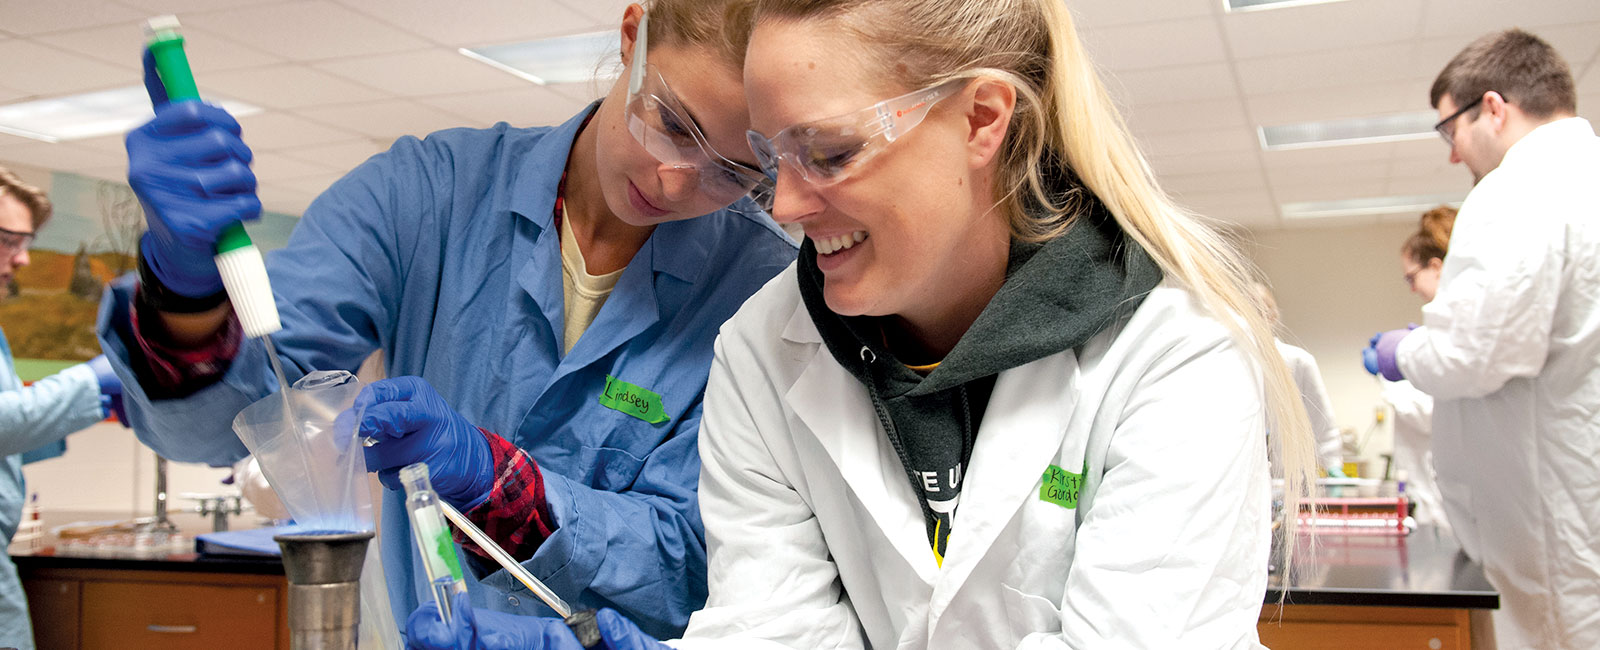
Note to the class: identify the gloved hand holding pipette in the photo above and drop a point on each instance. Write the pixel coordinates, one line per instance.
(190, 169)
(408, 422)
(489, 630)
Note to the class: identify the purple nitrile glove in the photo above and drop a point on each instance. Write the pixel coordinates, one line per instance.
(1383, 347)
(191, 172)
(410, 422)
(483, 629)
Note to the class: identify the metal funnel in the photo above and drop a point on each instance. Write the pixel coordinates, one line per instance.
(324, 571)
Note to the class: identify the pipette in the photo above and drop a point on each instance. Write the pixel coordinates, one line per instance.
(244, 273)
(439, 559)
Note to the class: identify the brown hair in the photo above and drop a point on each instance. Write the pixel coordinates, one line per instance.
(38, 204)
(1525, 70)
(723, 26)
(1432, 239)
(1067, 143)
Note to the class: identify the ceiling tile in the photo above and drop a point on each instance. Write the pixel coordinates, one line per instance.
(1303, 175)
(51, 71)
(183, 7)
(1472, 18)
(1355, 154)
(1242, 208)
(1208, 115)
(312, 185)
(1329, 190)
(120, 45)
(57, 156)
(1335, 103)
(1175, 84)
(426, 72)
(342, 156)
(1199, 142)
(607, 13)
(29, 17)
(1214, 182)
(1577, 43)
(1332, 222)
(481, 22)
(273, 131)
(1450, 181)
(1347, 26)
(1154, 45)
(113, 143)
(530, 106)
(388, 119)
(274, 167)
(1238, 161)
(1092, 15)
(287, 86)
(305, 31)
(1332, 69)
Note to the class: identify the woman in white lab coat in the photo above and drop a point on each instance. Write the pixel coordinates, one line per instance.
(1009, 396)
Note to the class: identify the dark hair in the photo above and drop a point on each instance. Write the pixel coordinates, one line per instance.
(37, 203)
(1432, 239)
(1525, 70)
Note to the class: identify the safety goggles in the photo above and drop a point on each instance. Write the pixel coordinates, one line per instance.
(13, 242)
(829, 150)
(658, 120)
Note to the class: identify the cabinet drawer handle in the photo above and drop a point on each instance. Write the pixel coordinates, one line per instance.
(172, 629)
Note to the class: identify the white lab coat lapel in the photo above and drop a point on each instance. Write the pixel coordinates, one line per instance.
(839, 414)
(1021, 435)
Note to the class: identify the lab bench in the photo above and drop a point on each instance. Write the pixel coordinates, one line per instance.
(1354, 592)
(174, 600)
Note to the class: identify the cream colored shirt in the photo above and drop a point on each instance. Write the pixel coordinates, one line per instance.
(582, 294)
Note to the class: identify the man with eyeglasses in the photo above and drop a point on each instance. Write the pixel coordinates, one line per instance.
(35, 419)
(1510, 345)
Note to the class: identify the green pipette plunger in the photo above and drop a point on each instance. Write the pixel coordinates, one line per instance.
(244, 273)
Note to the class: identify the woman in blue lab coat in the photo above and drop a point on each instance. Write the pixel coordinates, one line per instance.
(475, 259)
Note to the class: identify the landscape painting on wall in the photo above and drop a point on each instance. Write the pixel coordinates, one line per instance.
(48, 310)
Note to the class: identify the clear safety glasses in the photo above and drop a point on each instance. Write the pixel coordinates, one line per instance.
(658, 120)
(827, 151)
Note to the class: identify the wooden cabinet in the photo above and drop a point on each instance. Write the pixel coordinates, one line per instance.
(93, 609)
(1344, 627)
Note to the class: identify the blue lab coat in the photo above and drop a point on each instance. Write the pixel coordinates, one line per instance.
(442, 252)
(33, 418)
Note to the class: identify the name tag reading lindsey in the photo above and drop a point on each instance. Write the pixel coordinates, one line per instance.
(637, 401)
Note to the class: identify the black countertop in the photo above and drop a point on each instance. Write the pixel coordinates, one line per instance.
(1423, 569)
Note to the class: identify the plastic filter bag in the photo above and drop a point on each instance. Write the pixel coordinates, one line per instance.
(313, 461)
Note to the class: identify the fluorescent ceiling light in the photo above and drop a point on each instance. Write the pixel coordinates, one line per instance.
(565, 59)
(1368, 206)
(75, 117)
(1258, 5)
(1359, 130)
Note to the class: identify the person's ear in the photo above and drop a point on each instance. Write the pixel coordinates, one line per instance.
(1496, 109)
(1436, 264)
(988, 119)
(630, 31)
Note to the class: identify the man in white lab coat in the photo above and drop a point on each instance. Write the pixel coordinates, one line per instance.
(1510, 345)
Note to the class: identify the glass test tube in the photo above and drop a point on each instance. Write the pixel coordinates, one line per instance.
(439, 561)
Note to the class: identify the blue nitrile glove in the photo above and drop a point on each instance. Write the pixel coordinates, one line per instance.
(1382, 348)
(489, 630)
(191, 173)
(110, 389)
(1369, 355)
(409, 422)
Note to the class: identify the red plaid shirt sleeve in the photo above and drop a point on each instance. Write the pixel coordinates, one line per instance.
(515, 514)
(170, 371)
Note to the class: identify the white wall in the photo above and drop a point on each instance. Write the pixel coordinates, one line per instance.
(1336, 287)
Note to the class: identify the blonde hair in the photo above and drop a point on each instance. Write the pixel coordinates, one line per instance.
(723, 26)
(37, 203)
(1066, 130)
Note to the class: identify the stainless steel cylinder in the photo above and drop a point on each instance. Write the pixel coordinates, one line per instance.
(324, 571)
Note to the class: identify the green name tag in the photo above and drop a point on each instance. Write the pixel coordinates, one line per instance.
(1060, 487)
(636, 401)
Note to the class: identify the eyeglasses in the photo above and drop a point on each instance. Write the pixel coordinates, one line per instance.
(13, 242)
(658, 120)
(1411, 278)
(829, 150)
(1447, 126)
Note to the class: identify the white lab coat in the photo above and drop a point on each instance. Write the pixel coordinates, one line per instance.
(816, 541)
(1413, 450)
(1510, 351)
(1314, 394)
